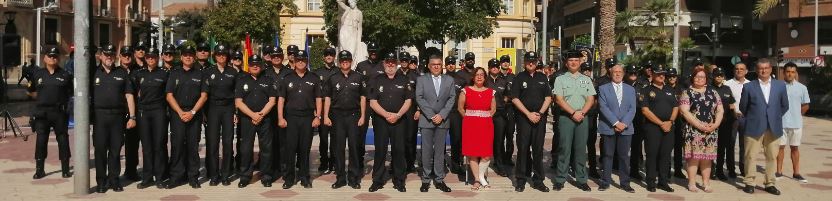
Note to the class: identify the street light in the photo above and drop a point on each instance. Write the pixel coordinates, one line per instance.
(714, 34)
(49, 7)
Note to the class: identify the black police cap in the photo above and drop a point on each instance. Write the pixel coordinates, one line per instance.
(540, 64)
(658, 70)
(585, 66)
(169, 49)
(330, 51)
(672, 72)
(302, 54)
(450, 60)
(404, 56)
(505, 58)
(572, 54)
(276, 50)
(292, 49)
(493, 63)
(52, 51)
(221, 49)
(390, 56)
(126, 50)
(470, 56)
(372, 47)
(203, 47)
(530, 56)
(152, 52)
(648, 64)
(237, 54)
(632, 69)
(698, 61)
(187, 49)
(141, 45)
(414, 59)
(344, 55)
(108, 49)
(609, 63)
(267, 49)
(255, 60)
(717, 72)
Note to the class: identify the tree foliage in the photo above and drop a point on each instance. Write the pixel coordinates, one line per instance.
(189, 22)
(653, 29)
(763, 6)
(395, 23)
(229, 21)
(316, 53)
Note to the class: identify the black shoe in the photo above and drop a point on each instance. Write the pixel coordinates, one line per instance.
(442, 187)
(636, 176)
(145, 184)
(288, 184)
(226, 182)
(679, 175)
(131, 176)
(594, 174)
(773, 190)
(558, 186)
(628, 189)
(65, 169)
(39, 172)
(748, 189)
(732, 175)
(603, 187)
(425, 187)
(584, 187)
(665, 188)
(339, 184)
(117, 187)
(306, 183)
(375, 187)
(214, 182)
(651, 188)
(101, 189)
(266, 183)
(243, 183)
(721, 177)
(520, 188)
(540, 187)
(355, 186)
(400, 188)
(171, 184)
(160, 185)
(194, 184)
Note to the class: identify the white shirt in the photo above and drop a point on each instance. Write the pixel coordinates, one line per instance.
(766, 88)
(619, 92)
(736, 89)
(437, 81)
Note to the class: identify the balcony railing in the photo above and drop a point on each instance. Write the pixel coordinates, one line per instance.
(19, 3)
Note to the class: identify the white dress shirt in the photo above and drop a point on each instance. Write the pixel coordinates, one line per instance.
(766, 88)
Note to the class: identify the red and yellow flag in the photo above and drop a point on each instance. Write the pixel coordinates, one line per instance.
(247, 52)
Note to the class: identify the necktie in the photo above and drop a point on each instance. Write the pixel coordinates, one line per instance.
(618, 93)
(436, 83)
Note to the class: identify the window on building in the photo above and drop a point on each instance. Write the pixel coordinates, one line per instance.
(507, 42)
(314, 37)
(313, 5)
(48, 2)
(509, 4)
(50, 33)
(103, 34)
(104, 8)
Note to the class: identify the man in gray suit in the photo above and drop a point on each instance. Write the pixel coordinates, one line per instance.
(435, 98)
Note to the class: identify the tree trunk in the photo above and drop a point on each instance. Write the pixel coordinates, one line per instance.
(607, 29)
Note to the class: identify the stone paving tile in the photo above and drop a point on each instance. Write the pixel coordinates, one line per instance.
(16, 168)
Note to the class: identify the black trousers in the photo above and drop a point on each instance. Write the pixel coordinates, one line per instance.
(220, 126)
(455, 131)
(389, 134)
(325, 134)
(510, 129)
(592, 138)
(297, 146)
(530, 139)
(725, 146)
(362, 147)
(347, 135)
(131, 151)
(739, 132)
(555, 138)
(678, 142)
(108, 136)
(637, 146)
(47, 119)
(279, 148)
(184, 147)
(616, 144)
(658, 147)
(246, 151)
(500, 130)
(153, 131)
(411, 132)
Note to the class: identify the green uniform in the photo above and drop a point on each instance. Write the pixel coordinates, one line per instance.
(575, 89)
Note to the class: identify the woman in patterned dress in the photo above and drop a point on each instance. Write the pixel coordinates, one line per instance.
(477, 105)
(702, 109)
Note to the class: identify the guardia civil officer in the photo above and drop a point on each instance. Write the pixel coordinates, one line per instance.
(497, 81)
(52, 88)
(220, 81)
(325, 131)
(660, 108)
(299, 108)
(152, 119)
(255, 96)
(531, 95)
(390, 98)
(344, 109)
(186, 95)
(575, 95)
(114, 108)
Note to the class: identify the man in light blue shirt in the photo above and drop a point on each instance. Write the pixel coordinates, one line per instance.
(793, 122)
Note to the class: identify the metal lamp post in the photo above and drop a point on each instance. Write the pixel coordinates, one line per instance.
(714, 35)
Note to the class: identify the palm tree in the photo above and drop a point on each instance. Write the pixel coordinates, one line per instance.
(763, 6)
(650, 26)
(607, 28)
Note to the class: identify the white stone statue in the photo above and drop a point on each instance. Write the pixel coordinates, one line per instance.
(349, 35)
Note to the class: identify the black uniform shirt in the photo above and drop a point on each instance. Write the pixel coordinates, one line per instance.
(109, 88)
(255, 92)
(660, 101)
(459, 84)
(369, 69)
(221, 84)
(186, 86)
(151, 85)
(391, 93)
(345, 91)
(500, 87)
(531, 90)
(727, 99)
(53, 89)
(464, 75)
(300, 92)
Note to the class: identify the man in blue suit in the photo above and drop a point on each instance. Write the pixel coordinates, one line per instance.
(617, 103)
(763, 103)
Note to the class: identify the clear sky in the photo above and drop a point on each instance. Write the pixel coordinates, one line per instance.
(155, 3)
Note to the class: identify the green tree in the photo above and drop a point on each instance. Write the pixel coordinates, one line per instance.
(763, 6)
(316, 53)
(652, 27)
(229, 21)
(394, 23)
(188, 23)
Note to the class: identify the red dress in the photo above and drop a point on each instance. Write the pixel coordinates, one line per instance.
(477, 127)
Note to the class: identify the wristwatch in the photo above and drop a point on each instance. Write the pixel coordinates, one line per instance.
(131, 117)
(193, 112)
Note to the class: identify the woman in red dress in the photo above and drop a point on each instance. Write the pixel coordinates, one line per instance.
(477, 106)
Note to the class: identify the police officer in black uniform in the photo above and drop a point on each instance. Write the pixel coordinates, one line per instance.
(276, 66)
(531, 95)
(114, 111)
(168, 52)
(508, 75)
(592, 120)
(660, 107)
(203, 51)
(369, 69)
(344, 110)
(411, 118)
(139, 55)
(390, 98)
(325, 134)
(299, 108)
(292, 51)
(725, 140)
(672, 81)
(52, 88)
(152, 119)
(131, 135)
(496, 81)
(275, 70)
(220, 80)
(255, 96)
(636, 148)
(461, 79)
(186, 95)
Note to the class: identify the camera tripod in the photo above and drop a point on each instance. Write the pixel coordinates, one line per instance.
(8, 121)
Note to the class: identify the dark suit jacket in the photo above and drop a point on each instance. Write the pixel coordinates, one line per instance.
(759, 115)
(611, 112)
